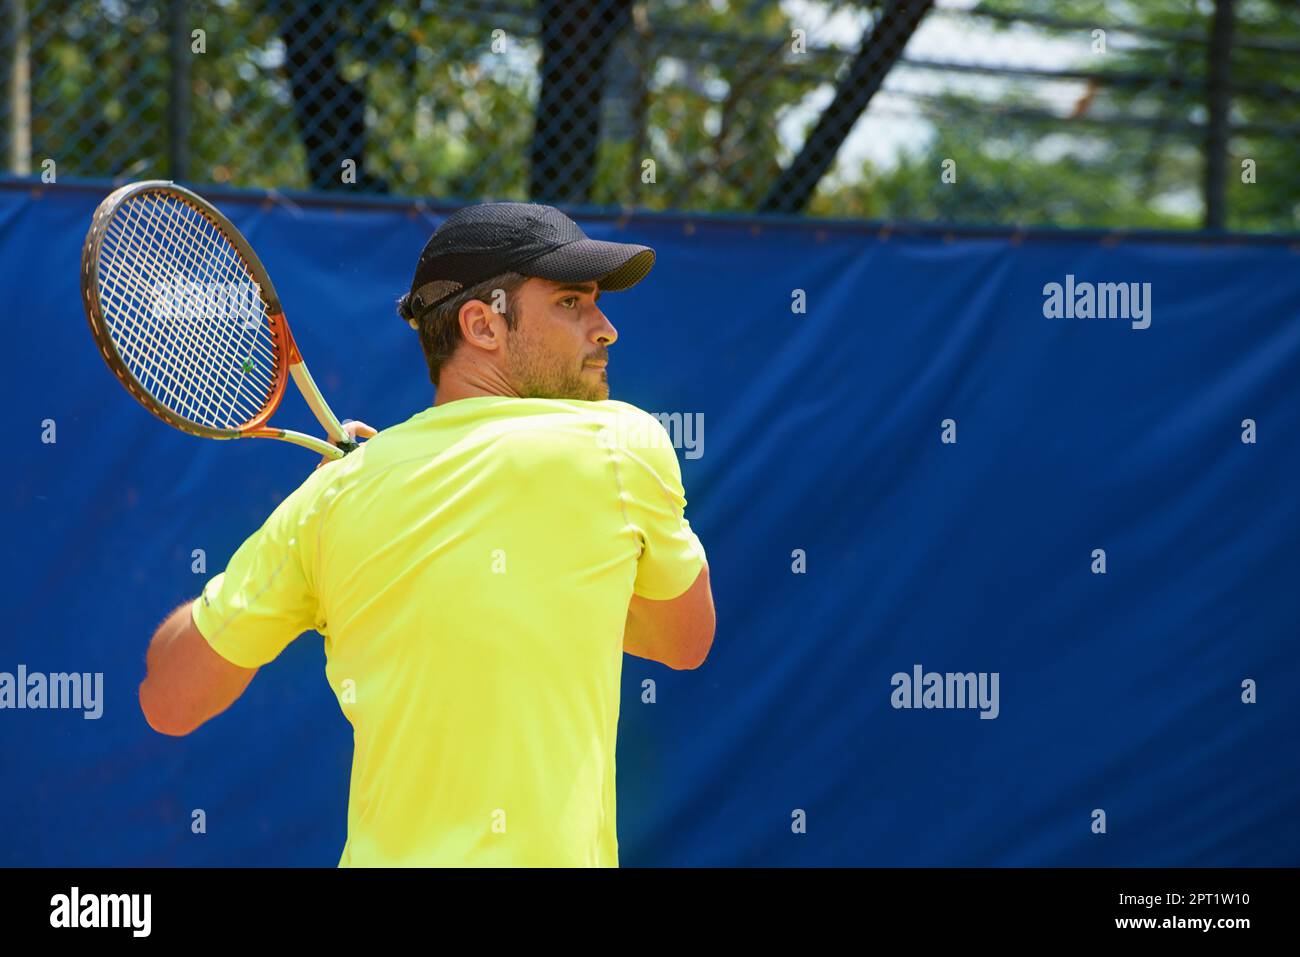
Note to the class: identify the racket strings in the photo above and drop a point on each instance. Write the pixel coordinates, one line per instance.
(172, 385)
(195, 339)
(180, 305)
(212, 259)
(192, 344)
(224, 261)
(162, 377)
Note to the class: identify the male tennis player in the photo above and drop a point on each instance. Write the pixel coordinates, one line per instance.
(477, 570)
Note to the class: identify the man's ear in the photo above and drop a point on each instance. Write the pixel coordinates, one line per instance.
(480, 326)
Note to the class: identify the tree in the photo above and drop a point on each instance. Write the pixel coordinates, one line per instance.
(577, 37)
(1133, 152)
(708, 91)
(331, 112)
(881, 48)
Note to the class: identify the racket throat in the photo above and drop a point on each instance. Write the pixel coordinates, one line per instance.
(310, 392)
(316, 401)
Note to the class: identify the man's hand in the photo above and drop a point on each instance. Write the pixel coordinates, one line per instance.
(353, 429)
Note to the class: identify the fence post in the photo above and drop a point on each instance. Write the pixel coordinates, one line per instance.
(178, 103)
(19, 159)
(1219, 102)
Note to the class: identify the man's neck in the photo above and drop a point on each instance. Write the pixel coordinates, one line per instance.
(453, 385)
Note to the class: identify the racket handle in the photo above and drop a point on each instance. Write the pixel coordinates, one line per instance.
(348, 445)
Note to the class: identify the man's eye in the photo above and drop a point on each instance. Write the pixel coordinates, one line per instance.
(569, 299)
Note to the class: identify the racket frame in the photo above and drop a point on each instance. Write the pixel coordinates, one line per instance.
(289, 361)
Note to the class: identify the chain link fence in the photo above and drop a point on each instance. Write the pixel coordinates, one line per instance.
(1165, 113)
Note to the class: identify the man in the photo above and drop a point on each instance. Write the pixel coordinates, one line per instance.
(477, 570)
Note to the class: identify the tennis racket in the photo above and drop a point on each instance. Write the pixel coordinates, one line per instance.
(186, 317)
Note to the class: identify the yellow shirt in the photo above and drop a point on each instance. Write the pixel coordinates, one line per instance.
(471, 570)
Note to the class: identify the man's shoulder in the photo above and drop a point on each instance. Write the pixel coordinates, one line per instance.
(521, 414)
(625, 411)
(617, 405)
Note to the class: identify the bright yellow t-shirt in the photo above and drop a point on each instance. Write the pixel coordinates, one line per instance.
(471, 570)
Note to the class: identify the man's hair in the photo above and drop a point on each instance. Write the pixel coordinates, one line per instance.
(440, 327)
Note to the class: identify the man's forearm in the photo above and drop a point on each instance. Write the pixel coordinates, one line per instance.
(673, 633)
(186, 682)
(637, 634)
(154, 695)
(163, 638)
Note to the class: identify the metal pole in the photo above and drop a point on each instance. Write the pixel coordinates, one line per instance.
(1219, 103)
(20, 92)
(178, 104)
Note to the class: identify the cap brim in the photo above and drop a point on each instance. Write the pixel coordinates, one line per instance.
(612, 266)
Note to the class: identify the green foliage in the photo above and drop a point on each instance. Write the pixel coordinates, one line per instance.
(1140, 173)
(701, 87)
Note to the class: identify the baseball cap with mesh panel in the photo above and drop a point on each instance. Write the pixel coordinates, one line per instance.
(478, 242)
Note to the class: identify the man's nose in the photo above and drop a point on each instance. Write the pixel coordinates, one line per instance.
(605, 333)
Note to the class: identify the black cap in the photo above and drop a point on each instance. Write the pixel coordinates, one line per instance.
(479, 242)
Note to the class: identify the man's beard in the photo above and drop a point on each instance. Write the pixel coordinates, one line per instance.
(537, 376)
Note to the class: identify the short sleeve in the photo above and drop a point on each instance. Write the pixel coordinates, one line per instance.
(266, 596)
(671, 556)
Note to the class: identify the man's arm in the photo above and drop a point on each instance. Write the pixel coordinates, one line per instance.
(678, 632)
(186, 682)
(262, 601)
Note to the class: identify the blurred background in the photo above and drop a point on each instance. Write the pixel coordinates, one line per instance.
(1099, 113)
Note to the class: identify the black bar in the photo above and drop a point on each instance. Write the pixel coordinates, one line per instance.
(474, 907)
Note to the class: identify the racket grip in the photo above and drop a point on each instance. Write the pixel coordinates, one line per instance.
(348, 445)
